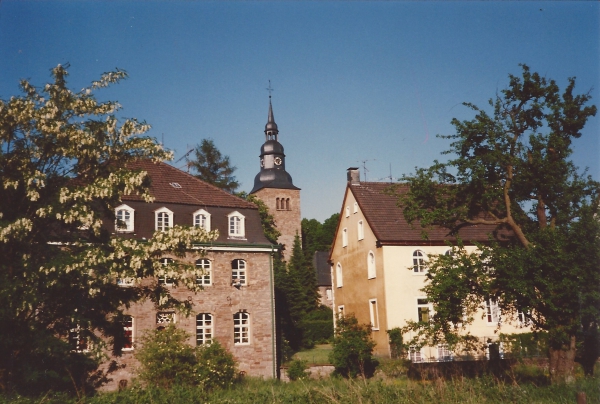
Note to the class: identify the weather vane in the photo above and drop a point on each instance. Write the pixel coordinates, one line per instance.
(270, 89)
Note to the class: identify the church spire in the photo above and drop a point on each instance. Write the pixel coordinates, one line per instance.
(271, 127)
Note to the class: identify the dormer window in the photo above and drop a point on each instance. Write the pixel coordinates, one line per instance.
(163, 219)
(202, 219)
(124, 219)
(236, 225)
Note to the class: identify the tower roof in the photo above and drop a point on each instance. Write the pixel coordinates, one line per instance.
(271, 126)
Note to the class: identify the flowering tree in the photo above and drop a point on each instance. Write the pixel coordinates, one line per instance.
(63, 168)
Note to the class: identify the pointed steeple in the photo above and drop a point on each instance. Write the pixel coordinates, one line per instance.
(271, 127)
(272, 158)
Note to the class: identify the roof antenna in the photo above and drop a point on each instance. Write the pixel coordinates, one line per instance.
(270, 90)
(365, 170)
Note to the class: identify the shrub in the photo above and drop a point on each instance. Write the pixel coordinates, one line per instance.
(397, 347)
(167, 360)
(297, 370)
(352, 353)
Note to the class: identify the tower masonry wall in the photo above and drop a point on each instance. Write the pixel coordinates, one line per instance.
(284, 205)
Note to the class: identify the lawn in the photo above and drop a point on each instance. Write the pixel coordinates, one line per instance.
(319, 355)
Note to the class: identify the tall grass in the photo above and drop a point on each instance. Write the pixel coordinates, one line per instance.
(336, 390)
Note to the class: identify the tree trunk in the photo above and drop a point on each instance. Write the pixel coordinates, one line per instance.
(562, 361)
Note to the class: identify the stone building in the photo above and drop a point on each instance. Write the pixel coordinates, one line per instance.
(274, 186)
(236, 306)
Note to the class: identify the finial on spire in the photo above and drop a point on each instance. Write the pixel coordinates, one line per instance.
(271, 127)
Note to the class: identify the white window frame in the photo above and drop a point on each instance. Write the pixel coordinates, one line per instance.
(164, 280)
(371, 267)
(129, 223)
(443, 353)
(361, 230)
(328, 294)
(160, 216)
(204, 328)
(415, 355)
(345, 237)
(355, 207)
(374, 314)
(241, 328)
(347, 211)
(422, 303)
(126, 282)
(339, 275)
(341, 311)
(419, 266)
(78, 342)
(236, 226)
(203, 272)
(492, 311)
(239, 273)
(128, 330)
(523, 321)
(197, 219)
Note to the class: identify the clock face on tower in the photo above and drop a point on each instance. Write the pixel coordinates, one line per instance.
(278, 161)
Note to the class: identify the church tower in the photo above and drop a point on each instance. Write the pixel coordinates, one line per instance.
(273, 185)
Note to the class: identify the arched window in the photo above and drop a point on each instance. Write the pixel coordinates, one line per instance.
(345, 237)
(277, 206)
(163, 219)
(419, 262)
(371, 272)
(355, 207)
(236, 225)
(238, 272)
(339, 280)
(124, 218)
(241, 328)
(202, 219)
(361, 230)
(204, 328)
(347, 211)
(287, 204)
(203, 272)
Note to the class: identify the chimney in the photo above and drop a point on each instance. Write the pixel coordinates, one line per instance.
(354, 176)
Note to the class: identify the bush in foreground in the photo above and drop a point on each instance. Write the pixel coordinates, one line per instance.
(353, 349)
(167, 360)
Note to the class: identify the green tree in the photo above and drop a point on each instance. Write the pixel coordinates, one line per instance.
(211, 166)
(318, 236)
(167, 360)
(63, 168)
(512, 170)
(352, 353)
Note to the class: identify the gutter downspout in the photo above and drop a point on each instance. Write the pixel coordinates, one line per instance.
(273, 330)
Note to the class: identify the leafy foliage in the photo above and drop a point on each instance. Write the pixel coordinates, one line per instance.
(318, 236)
(211, 166)
(512, 170)
(167, 360)
(297, 370)
(63, 168)
(352, 353)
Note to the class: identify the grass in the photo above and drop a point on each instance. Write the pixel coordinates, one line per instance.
(335, 390)
(319, 355)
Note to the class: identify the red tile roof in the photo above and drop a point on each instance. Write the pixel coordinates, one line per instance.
(387, 221)
(171, 185)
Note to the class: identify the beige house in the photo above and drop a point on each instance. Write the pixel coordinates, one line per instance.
(378, 264)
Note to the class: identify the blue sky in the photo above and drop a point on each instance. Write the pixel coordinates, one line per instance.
(356, 83)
